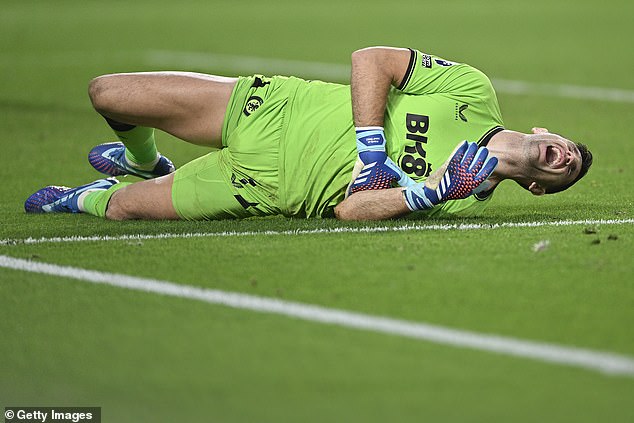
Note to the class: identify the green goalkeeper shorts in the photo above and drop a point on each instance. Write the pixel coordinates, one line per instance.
(241, 179)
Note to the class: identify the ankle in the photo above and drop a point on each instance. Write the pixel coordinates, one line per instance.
(137, 164)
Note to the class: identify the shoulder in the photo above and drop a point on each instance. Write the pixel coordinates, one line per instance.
(428, 73)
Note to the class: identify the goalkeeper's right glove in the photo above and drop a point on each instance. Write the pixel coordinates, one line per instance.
(378, 170)
(464, 173)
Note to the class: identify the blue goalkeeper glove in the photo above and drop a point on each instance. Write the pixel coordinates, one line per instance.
(379, 171)
(465, 172)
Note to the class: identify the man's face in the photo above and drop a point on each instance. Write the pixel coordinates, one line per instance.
(554, 160)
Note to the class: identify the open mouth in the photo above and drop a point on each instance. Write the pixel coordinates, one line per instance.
(555, 156)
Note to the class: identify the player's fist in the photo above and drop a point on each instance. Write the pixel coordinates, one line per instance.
(467, 168)
(379, 171)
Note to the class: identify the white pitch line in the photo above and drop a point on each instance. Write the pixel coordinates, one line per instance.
(338, 72)
(340, 230)
(602, 361)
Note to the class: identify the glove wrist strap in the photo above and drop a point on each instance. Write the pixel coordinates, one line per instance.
(370, 138)
(417, 197)
(368, 128)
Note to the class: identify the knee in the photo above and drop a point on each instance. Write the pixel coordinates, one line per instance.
(102, 93)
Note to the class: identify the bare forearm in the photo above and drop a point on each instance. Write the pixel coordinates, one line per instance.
(373, 71)
(373, 205)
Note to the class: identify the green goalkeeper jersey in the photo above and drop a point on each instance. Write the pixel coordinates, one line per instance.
(438, 105)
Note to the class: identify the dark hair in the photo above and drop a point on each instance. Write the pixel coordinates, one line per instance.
(586, 162)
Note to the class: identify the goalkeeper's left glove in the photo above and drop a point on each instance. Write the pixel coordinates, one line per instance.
(378, 170)
(465, 172)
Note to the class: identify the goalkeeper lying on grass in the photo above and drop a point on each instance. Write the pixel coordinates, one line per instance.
(286, 145)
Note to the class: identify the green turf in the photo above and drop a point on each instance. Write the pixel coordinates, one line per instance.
(175, 360)
(144, 357)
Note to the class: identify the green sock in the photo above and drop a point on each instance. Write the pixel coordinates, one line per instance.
(140, 147)
(96, 202)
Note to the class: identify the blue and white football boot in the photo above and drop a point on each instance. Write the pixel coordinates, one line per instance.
(59, 199)
(110, 159)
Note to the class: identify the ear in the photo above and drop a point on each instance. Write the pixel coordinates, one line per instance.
(539, 130)
(536, 189)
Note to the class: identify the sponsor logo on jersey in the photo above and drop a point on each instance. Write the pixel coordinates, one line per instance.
(253, 103)
(426, 61)
(444, 62)
(413, 160)
(460, 108)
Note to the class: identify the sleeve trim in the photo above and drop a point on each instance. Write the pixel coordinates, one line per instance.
(410, 70)
(485, 195)
(482, 142)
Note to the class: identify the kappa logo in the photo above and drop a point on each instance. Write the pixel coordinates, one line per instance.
(253, 103)
(459, 112)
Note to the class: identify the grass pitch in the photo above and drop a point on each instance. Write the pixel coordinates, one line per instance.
(144, 357)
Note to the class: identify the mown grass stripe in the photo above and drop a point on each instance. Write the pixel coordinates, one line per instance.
(341, 72)
(601, 361)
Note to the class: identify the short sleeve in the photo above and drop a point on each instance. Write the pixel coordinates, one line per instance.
(428, 74)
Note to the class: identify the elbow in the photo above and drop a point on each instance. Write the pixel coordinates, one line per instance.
(343, 211)
(389, 61)
(357, 54)
(356, 58)
(340, 212)
(364, 54)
